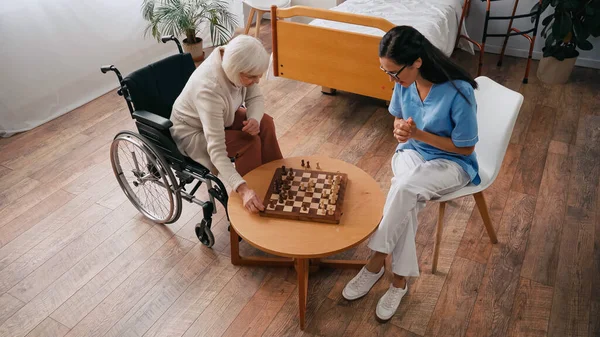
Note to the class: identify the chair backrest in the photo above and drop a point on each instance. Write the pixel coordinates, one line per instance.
(497, 111)
(155, 87)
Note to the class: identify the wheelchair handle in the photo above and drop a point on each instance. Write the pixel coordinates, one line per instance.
(105, 69)
(167, 38)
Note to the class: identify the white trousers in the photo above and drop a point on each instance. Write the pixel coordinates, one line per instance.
(415, 181)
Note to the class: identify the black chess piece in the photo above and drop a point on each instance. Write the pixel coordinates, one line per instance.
(283, 170)
(302, 162)
(307, 164)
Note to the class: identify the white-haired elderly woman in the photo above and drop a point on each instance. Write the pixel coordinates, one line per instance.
(220, 114)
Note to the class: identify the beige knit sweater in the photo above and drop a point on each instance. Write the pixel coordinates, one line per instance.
(203, 110)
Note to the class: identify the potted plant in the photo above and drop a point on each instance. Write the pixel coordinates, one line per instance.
(565, 31)
(185, 17)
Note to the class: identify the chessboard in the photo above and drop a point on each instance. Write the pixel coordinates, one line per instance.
(306, 195)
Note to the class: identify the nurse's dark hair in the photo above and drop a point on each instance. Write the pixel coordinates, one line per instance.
(404, 45)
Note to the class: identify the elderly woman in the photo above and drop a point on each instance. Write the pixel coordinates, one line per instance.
(219, 114)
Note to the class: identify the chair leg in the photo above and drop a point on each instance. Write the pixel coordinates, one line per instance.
(250, 16)
(438, 237)
(531, 44)
(487, 221)
(259, 15)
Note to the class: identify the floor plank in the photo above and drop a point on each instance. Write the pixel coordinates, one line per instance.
(121, 300)
(156, 301)
(424, 292)
(571, 301)
(197, 297)
(541, 256)
(259, 312)
(531, 164)
(453, 309)
(531, 310)
(491, 313)
(95, 279)
(49, 327)
(595, 298)
(25, 221)
(8, 306)
(226, 306)
(49, 247)
(70, 255)
(475, 244)
(573, 288)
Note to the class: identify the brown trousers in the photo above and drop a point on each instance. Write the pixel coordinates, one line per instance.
(249, 151)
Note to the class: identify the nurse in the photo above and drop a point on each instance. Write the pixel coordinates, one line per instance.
(436, 128)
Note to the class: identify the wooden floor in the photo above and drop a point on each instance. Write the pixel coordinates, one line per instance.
(77, 260)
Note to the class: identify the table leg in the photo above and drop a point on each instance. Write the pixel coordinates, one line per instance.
(302, 271)
(238, 260)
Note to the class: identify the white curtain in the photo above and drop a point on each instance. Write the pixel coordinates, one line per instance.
(51, 53)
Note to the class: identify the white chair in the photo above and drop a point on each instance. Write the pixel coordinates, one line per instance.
(497, 111)
(261, 7)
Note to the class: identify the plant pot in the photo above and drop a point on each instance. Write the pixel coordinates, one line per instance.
(553, 71)
(195, 49)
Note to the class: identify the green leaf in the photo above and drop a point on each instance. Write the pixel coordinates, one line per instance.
(580, 31)
(571, 4)
(589, 10)
(562, 26)
(547, 19)
(545, 4)
(549, 41)
(584, 45)
(534, 9)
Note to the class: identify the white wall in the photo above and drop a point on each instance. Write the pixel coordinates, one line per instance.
(518, 45)
(52, 52)
(326, 4)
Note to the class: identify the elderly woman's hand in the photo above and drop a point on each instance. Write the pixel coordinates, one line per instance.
(251, 127)
(250, 200)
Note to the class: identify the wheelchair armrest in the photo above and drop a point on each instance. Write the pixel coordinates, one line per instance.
(153, 120)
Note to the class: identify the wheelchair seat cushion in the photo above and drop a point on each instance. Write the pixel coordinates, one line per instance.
(155, 87)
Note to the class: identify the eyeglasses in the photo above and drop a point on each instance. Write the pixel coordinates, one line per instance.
(394, 75)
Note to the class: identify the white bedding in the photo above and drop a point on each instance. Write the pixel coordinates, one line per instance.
(437, 20)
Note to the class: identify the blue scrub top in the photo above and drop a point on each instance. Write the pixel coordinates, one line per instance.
(444, 112)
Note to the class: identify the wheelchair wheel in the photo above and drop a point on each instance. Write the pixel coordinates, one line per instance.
(204, 234)
(145, 177)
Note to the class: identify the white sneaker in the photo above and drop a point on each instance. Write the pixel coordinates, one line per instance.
(360, 285)
(389, 302)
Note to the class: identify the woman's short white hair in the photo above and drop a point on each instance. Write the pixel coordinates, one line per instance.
(244, 54)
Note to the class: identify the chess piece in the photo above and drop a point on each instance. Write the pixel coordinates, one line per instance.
(318, 167)
(281, 200)
(291, 172)
(330, 211)
(307, 164)
(304, 207)
(271, 203)
(302, 162)
(290, 196)
(302, 187)
(283, 170)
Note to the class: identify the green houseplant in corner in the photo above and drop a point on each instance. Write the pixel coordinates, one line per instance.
(186, 18)
(566, 30)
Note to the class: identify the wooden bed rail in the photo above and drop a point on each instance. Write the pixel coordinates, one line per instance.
(327, 57)
(318, 13)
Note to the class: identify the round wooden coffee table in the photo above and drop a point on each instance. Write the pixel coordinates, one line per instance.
(304, 241)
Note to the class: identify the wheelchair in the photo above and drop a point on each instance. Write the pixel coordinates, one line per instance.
(150, 169)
